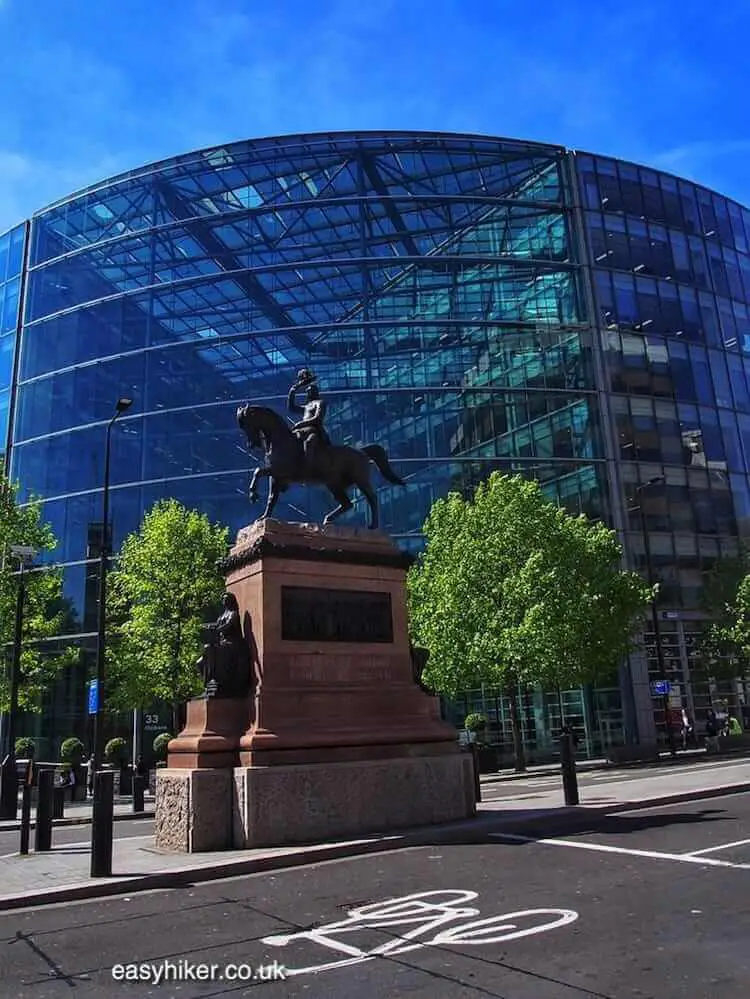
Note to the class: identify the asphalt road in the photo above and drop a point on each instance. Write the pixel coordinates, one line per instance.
(9, 841)
(641, 904)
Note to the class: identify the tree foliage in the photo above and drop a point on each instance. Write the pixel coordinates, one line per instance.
(45, 611)
(726, 646)
(724, 649)
(165, 583)
(511, 589)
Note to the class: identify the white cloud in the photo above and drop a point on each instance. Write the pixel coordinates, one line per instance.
(694, 156)
(27, 184)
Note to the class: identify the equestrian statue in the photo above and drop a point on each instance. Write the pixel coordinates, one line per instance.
(303, 453)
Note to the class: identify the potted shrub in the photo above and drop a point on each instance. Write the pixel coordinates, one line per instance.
(25, 748)
(116, 754)
(160, 748)
(476, 724)
(71, 753)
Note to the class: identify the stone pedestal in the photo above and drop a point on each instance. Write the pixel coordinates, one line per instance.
(194, 810)
(211, 737)
(307, 803)
(338, 738)
(327, 607)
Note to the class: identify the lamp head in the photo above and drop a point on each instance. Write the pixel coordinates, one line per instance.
(123, 404)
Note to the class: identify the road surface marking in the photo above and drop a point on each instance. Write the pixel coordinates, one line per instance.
(714, 849)
(424, 919)
(684, 858)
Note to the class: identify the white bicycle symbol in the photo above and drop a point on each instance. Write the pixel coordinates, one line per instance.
(424, 919)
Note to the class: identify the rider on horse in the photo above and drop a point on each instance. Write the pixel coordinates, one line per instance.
(309, 429)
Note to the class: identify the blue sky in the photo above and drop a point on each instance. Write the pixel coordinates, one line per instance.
(89, 88)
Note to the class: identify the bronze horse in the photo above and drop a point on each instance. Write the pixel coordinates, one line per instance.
(337, 467)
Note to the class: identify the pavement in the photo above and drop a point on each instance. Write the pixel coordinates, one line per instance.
(649, 902)
(684, 757)
(62, 874)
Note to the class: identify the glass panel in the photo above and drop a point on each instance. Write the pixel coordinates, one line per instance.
(739, 385)
(9, 314)
(15, 251)
(682, 372)
(717, 364)
(7, 349)
(731, 437)
(4, 255)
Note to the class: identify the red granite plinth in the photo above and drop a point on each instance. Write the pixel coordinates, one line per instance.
(211, 736)
(328, 699)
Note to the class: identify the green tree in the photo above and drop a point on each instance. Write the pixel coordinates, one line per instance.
(165, 583)
(512, 590)
(45, 610)
(725, 648)
(724, 652)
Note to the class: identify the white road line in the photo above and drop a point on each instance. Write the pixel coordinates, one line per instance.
(606, 848)
(646, 780)
(714, 849)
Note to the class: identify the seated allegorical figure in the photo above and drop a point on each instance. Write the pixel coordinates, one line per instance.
(225, 662)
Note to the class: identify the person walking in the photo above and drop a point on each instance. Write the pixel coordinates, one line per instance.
(686, 729)
(712, 732)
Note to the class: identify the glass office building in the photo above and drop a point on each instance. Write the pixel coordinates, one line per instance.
(471, 303)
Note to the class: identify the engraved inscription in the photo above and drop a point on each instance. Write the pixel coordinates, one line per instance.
(333, 672)
(309, 614)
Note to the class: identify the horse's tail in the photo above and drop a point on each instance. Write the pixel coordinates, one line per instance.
(377, 454)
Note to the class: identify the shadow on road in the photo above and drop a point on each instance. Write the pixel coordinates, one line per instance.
(580, 822)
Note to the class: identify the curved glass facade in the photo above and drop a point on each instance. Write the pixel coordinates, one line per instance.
(471, 303)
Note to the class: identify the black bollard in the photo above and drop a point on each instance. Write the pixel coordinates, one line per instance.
(25, 819)
(8, 788)
(44, 805)
(477, 782)
(58, 803)
(139, 789)
(102, 822)
(568, 764)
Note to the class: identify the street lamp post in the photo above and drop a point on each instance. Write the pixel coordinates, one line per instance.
(9, 789)
(654, 611)
(120, 407)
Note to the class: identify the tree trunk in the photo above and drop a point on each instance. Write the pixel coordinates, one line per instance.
(176, 704)
(176, 717)
(515, 725)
